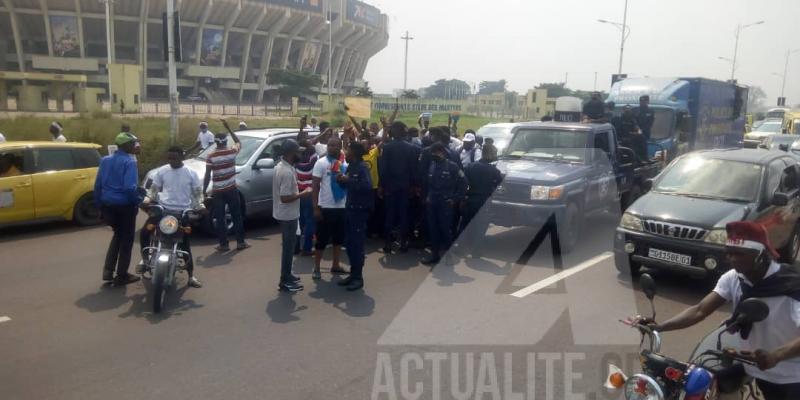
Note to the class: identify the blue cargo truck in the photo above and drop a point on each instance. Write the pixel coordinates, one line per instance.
(690, 113)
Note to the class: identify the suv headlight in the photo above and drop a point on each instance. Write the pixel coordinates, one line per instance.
(717, 236)
(168, 225)
(546, 192)
(631, 222)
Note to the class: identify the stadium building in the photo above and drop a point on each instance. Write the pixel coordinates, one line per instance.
(58, 49)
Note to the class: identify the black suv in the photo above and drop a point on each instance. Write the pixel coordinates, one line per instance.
(680, 224)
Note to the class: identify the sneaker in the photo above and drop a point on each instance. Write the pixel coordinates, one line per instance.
(108, 275)
(356, 284)
(290, 287)
(431, 260)
(141, 268)
(242, 246)
(294, 278)
(222, 249)
(194, 282)
(345, 281)
(126, 279)
(316, 274)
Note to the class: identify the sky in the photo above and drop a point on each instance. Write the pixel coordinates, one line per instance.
(528, 42)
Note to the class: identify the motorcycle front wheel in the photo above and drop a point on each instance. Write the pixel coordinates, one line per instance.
(159, 285)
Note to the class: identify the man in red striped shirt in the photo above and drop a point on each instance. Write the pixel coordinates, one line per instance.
(221, 172)
(308, 157)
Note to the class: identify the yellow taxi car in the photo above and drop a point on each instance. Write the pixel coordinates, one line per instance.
(44, 181)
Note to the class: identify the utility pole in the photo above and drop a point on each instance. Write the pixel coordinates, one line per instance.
(108, 51)
(622, 41)
(786, 70)
(407, 38)
(172, 73)
(330, 56)
(595, 81)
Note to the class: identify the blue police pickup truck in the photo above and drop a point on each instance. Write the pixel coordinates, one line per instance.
(557, 172)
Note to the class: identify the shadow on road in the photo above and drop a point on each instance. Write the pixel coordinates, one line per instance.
(106, 298)
(283, 308)
(44, 230)
(354, 304)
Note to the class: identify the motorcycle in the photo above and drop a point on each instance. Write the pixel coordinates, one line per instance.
(163, 257)
(710, 373)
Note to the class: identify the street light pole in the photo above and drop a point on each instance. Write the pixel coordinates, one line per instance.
(622, 40)
(172, 74)
(407, 38)
(739, 29)
(786, 70)
(330, 55)
(108, 50)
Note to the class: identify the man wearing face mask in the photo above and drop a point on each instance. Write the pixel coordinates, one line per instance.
(221, 169)
(176, 188)
(205, 138)
(329, 201)
(445, 186)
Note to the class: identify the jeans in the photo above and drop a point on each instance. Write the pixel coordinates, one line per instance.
(356, 236)
(439, 215)
(773, 391)
(121, 219)
(288, 238)
(307, 224)
(396, 201)
(233, 201)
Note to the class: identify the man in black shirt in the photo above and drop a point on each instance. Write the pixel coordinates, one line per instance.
(483, 178)
(594, 109)
(397, 169)
(645, 116)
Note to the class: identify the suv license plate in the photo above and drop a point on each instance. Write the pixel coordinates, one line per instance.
(669, 256)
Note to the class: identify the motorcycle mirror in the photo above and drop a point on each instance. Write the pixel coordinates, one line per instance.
(752, 310)
(648, 285)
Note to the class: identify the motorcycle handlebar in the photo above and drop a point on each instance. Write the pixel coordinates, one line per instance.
(654, 336)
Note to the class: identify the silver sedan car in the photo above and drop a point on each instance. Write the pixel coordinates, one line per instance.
(255, 168)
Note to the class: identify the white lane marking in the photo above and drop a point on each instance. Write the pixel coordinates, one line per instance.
(4, 319)
(562, 275)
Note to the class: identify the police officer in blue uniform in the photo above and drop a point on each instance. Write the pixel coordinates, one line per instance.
(483, 178)
(359, 204)
(397, 169)
(445, 188)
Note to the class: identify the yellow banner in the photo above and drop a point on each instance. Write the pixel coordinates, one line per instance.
(359, 107)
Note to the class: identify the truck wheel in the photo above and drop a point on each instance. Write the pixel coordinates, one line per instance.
(788, 253)
(569, 229)
(626, 266)
(629, 197)
(85, 212)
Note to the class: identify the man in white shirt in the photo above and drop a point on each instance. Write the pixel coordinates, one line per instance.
(470, 151)
(58, 132)
(312, 126)
(773, 344)
(205, 138)
(286, 210)
(176, 188)
(329, 201)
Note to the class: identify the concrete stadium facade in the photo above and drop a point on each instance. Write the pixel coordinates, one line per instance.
(227, 46)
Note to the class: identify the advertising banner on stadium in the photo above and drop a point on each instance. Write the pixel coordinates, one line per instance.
(309, 55)
(211, 50)
(310, 5)
(65, 36)
(363, 13)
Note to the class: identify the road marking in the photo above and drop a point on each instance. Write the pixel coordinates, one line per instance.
(562, 275)
(4, 319)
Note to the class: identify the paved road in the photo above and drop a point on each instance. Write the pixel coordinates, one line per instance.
(451, 332)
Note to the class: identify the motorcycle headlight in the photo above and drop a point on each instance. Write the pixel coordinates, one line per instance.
(168, 225)
(643, 387)
(631, 222)
(717, 236)
(546, 192)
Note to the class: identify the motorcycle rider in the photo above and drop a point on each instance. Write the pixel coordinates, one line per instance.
(176, 188)
(773, 344)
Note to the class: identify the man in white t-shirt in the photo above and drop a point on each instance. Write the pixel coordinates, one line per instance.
(176, 188)
(205, 138)
(57, 130)
(469, 152)
(329, 201)
(774, 343)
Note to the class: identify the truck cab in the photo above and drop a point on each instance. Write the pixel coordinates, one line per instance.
(690, 113)
(557, 172)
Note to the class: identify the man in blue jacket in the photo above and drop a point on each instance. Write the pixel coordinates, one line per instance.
(360, 201)
(445, 186)
(117, 194)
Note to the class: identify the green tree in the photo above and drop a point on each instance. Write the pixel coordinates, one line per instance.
(294, 83)
(448, 89)
(755, 100)
(409, 94)
(555, 89)
(491, 87)
(364, 91)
